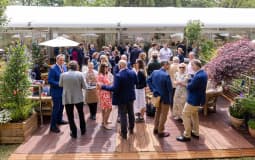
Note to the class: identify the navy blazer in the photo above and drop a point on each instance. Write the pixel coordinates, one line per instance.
(181, 58)
(160, 85)
(123, 87)
(53, 79)
(197, 89)
(134, 54)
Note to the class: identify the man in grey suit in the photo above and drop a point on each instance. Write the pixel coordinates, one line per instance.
(73, 83)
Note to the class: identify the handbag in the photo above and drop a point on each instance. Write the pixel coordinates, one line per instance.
(155, 101)
(91, 96)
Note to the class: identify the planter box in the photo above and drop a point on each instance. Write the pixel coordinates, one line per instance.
(18, 132)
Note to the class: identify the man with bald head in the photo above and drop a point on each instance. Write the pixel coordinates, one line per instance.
(116, 67)
(123, 90)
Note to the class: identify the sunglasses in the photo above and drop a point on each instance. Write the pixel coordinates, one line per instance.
(182, 67)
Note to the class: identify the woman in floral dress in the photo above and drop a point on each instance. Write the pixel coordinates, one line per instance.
(181, 79)
(105, 99)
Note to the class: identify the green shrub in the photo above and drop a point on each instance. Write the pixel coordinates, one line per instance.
(251, 123)
(208, 50)
(237, 110)
(249, 105)
(15, 87)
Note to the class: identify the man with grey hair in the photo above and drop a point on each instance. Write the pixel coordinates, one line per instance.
(196, 89)
(73, 83)
(161, 86)
(123, 89)
(190, 71)
(56, 93)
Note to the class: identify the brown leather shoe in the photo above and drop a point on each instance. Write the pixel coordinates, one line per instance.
(164, 134)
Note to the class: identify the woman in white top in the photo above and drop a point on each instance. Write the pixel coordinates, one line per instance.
(180, 81)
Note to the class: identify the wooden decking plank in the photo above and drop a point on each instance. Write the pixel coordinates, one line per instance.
(144, 155)
(217, 139)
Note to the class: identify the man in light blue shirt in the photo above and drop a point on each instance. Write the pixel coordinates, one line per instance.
(165, 53)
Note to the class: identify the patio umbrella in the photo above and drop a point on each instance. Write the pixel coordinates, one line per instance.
(59, 42)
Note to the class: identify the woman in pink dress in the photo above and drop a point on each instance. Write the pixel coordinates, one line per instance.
(105, 99)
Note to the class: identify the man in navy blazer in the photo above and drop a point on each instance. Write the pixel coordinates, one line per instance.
(124, 95)
(160, 85)
(116, 68)
(196, 90)
(56, 93)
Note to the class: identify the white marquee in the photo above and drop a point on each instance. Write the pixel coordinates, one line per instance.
(126, 17)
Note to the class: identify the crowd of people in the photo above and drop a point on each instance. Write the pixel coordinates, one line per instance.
(120, 77)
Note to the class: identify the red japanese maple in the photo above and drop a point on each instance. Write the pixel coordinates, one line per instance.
(233, 59)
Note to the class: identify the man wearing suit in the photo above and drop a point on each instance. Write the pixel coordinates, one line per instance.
(196, 88)
(160, 85)
(124, 96)
(134, 54)
(116, 68)
(73, 83)
(56, 93)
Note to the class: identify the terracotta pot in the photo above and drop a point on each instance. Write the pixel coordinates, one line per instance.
(236, 122)
(252, 132)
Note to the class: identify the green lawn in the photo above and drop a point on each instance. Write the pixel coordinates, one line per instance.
(6, 151)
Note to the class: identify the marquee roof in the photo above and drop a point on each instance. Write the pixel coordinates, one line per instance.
(126, 17)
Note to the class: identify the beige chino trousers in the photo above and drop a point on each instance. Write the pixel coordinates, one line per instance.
(190, 120)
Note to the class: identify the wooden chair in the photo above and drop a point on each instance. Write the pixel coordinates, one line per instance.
(211, 99)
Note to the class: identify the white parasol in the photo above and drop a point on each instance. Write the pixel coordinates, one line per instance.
(59, 42)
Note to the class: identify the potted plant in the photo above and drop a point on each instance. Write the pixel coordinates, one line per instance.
(251, 126)
(237, 113)
(18, 119)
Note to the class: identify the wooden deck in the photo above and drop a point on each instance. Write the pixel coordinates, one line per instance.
(217, 140)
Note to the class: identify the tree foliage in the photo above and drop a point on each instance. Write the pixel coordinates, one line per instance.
(3, 4)
(237, 3)
(15, 87)
(208, 50)
(192, 31)
(39, 58)
(140, 3)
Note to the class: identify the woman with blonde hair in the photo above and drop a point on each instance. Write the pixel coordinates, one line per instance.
(105, 98)
(180, 81)
(143, 57)
(172, 72)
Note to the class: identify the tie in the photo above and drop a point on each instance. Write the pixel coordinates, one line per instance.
(61, 68)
